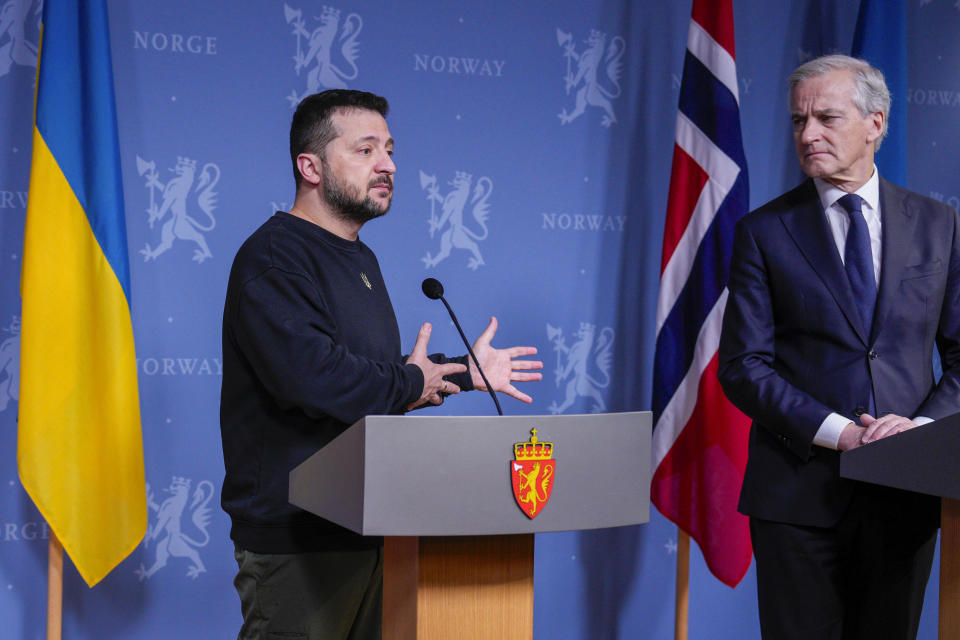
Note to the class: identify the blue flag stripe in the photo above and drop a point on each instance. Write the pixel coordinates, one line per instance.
(677, 339)
(75, 95)
(708, 103)
(881, 39)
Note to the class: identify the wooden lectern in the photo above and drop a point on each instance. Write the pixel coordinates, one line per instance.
(923, 460)
(458, 551)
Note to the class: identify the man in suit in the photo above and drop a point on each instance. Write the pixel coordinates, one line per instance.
(838, 292)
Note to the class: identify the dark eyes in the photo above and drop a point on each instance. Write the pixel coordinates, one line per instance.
(800, 122)
(366, 151)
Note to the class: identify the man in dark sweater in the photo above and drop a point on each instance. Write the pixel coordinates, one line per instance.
(310, 345)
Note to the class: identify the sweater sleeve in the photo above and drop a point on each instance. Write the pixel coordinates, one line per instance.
(283, 327)
(462, 380)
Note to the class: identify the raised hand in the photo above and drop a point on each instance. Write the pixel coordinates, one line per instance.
(501, 366)
(433, 382)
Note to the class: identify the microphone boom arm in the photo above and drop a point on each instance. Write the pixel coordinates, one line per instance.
(434, 290)
(453, 316)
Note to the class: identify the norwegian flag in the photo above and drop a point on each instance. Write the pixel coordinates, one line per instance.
(699, 438)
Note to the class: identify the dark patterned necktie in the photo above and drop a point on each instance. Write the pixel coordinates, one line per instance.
(858, 260)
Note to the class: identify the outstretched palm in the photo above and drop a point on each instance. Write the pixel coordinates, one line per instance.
(501, 366)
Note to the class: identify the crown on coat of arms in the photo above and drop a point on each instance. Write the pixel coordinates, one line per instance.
(534, 449)
(330, 12)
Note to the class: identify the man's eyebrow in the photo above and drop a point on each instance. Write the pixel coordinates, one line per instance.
(372, 138)
(826, 111)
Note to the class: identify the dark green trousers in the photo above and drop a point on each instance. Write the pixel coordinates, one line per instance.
(328, 595)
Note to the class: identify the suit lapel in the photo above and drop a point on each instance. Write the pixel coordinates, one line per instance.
(898, 223)
(807, 225)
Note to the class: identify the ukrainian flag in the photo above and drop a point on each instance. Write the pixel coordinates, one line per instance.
(79, 446)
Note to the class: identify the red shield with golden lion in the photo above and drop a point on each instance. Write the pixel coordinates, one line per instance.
(531, 473)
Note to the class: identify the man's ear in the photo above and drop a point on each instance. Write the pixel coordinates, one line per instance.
(309, 167)
(876, 128)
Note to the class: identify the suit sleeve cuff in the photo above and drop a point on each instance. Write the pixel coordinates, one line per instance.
(828, 435)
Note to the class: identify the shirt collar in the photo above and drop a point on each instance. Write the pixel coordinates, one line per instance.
(869, 191)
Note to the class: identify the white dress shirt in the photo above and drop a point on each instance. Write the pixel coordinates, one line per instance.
(828, 435)
(839, 220)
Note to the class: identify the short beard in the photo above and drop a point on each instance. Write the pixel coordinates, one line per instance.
(346, 203)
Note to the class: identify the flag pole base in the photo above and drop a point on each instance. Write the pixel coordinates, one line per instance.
(682, 605)
(54, 588)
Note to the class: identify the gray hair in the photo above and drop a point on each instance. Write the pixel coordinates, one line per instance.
(870, 93)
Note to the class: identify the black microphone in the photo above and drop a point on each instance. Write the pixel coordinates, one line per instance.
(434, 290)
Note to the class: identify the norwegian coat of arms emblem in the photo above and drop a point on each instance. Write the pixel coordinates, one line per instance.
(531, 473)
(593, 87)
(322, 60)
(574, 365)
(10, 365)
(168, 530)
(455, 233)
(174, 199)
(15, 25)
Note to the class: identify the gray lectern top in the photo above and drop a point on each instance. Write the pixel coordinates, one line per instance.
(923, 459)
(423, 476)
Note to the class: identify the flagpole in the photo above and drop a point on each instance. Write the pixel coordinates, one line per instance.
(682, 604)
(54, 588)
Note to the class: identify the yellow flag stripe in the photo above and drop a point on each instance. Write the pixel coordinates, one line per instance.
(80, 452)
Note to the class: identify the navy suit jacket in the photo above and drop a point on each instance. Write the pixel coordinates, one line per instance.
(794, 349)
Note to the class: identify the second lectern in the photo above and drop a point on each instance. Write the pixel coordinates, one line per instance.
(458, 500)
(923, 460)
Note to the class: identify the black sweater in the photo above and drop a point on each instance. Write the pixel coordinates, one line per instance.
(310, 345)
